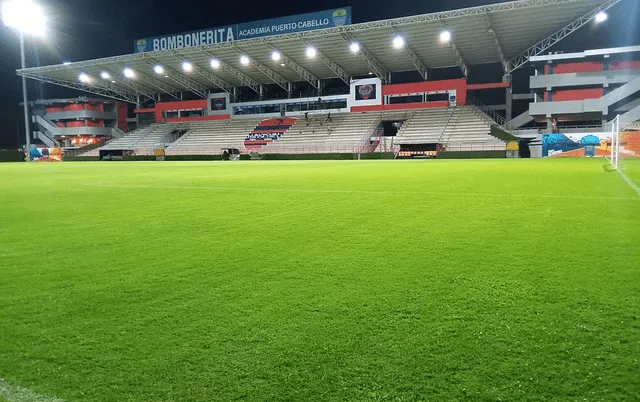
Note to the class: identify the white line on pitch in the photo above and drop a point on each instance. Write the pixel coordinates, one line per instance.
(629, 181)
(13, 393)
(293, 190)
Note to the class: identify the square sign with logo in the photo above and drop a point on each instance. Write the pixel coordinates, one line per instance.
(219, 104)
(365, 92)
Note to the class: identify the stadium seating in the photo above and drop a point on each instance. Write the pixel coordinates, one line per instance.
(456, 128)
(211, 137)
(142, 141)
(268, 131)
(319, 134)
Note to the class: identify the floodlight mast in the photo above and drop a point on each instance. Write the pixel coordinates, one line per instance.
(27, 126)
(26, 17)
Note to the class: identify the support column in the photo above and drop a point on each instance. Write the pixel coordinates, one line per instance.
(138, 106)
(509, 98)
(549, 124)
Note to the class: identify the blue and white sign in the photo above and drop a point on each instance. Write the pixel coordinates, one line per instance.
(275, 26)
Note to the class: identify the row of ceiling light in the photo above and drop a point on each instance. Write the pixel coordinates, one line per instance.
(398, 42)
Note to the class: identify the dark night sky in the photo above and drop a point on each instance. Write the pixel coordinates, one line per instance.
(86, 29)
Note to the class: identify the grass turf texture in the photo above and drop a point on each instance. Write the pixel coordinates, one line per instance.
(631, 167)
(320, 281)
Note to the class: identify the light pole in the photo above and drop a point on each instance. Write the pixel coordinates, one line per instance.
(27, 126)
(27, 18)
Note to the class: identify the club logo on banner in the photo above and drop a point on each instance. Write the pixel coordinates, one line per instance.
(365, 91)
(219, 103)
(340, 17)
(141, 45)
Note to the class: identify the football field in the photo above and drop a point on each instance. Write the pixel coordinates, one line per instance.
(512, 280)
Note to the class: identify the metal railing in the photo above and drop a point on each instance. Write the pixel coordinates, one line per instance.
(492, 114)
(453, 116)
(365, 142)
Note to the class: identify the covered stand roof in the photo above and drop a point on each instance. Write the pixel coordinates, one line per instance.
(508, 33)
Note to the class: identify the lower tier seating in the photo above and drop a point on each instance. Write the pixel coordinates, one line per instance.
(454, 128)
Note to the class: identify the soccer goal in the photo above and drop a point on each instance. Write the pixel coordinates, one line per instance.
(614, 154)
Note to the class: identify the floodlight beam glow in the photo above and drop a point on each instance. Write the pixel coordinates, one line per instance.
(84, 78)
(445, 36)
(398, 42)
(24, 15)
(601, 17)
(311, 52)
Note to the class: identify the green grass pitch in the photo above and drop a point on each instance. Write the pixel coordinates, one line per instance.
(480, 280)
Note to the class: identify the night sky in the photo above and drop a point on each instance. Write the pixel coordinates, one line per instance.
(86, 29)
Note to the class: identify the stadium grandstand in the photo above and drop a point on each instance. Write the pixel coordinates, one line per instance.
(343, 257)
(355, 88)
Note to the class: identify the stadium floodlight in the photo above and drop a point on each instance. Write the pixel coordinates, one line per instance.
(445, 36)
(215, 64)
(398, 42)
(158, 69)
(244, 60)
(276, 55)
(601, 17)
(354, 47)
(28, 18)
(129, 73)
(66, 63)
(187, 66)
(24, 15)
(311, 52)
(105, 75)
(84, 78)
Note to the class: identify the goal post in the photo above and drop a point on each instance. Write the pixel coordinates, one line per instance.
(614, 154)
